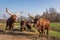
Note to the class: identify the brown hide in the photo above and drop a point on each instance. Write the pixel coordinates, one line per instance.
(13, 17)
(43, 24)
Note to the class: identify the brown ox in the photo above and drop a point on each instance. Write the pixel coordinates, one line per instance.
(41, 24)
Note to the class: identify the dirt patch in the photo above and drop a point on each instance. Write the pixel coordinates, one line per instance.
(17, 35)
(24, 37)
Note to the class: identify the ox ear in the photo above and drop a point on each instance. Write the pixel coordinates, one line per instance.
(18, 13)
(8, 11)
(31, 16)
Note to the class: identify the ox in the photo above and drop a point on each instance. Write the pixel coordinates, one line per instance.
(24, 24)
(10, 21)
(41, 24)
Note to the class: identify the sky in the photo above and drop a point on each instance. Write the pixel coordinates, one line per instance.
(28, 6)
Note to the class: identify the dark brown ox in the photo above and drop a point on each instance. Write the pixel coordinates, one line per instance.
(10, 21)
(41, 24)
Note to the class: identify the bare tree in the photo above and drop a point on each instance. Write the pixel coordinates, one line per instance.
(51, 14)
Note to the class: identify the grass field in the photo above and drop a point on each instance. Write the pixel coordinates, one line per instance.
(54, 34)
(54, 26)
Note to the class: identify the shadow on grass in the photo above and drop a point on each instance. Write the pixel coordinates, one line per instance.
(15, 33)
(1, 31)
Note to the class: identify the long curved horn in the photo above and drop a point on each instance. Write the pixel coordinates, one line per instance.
(9, 12)
(18, 13)
(31, 16)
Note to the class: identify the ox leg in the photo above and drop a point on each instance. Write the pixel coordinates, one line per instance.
(47, 31)
(21, 28)
(24, 28)
(42, 31)
(9, 27)
(12, 27)
(6, 26)
(39, 32)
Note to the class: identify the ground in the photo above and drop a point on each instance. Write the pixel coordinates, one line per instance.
(9, 37)
(54, 33)
(20, 36)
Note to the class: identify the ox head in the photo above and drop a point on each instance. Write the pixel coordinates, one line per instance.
(34, 19)
(12, 15)
(31, 16)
